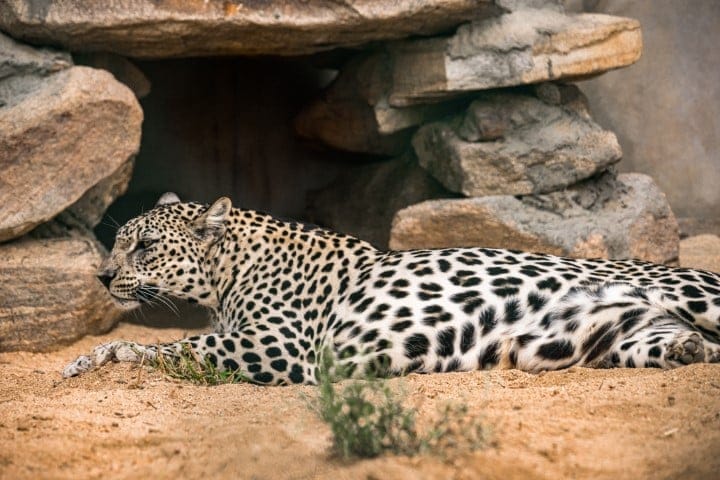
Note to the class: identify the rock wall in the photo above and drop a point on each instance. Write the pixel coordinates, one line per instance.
(68, 137)
(490, 113)
(664, 109)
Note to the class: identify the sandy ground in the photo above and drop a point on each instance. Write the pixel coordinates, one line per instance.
(122, 421)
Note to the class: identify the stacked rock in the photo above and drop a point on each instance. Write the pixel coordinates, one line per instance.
(494, 146)
(68, 137)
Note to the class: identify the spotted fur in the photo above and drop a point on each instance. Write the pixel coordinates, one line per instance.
(282, 293)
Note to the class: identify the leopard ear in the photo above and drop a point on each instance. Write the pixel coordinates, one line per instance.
(211, 224)
(167, 198)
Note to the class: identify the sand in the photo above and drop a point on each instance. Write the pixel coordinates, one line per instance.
(122, 421)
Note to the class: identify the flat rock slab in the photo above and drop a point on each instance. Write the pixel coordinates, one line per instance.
(627, 217)
(516, 144)
(60, 136)
(170, 28)
(522, 47)
(49, 295)
(364, 199)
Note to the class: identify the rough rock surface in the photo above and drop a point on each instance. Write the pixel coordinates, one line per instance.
(608, 217)
(522, 47)
(170, 28)
(701, 251)
(60, 135)
(49, 295)
(378, 191)
(353, 113)
(515, 144)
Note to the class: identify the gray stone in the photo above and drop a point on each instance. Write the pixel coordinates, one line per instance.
(170, 28)
(19, 59)
(522, 47)
(606, 217)
(61, 135)
(514, 144)
(364, 199)
(49, 295)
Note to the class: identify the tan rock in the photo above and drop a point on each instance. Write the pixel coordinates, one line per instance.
(122, 69)
(49, 295)
(701, 251)
(522, 47)
(511, 143)
(627, 217)
(59, 136)
(171, 28)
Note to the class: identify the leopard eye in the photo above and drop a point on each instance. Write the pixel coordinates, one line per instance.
(145, 244)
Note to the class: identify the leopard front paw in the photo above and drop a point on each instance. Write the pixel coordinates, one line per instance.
(81, 365)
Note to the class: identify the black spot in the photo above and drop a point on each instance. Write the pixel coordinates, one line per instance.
(401, 326)
(490, 356)
(446, 339)
(655, 352)
(403, 312)
(273, 352)
(512, 311)
(495, 271)
(487, 320)
(526, 338)
(467, 338)
(444, 265)
(692, 291)
(229, 345)
(263, 377)
(416, 345)
(210, 341)
(279, 365)
(556, 350)
(230, 365)
(251, 357)
(549, 284)
(630, 363)
(698, 306)
(630, 318)
(569, 312)
(369, 336)
(627, 345)
(595, 336)
(536, 302)
(602, 346)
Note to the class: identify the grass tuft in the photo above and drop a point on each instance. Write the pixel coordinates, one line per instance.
(368, 419)
(200, 372)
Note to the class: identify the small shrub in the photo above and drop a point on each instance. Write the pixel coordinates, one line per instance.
(368, 419)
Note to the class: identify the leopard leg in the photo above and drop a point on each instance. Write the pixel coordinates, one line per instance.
(615, 325)
(259, 360)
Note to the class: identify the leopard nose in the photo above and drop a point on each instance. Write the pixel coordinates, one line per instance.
(106, 278)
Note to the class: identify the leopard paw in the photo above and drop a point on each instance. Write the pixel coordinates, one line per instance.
(686, 348)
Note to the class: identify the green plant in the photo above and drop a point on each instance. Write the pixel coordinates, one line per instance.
(200, 372)
(368, 419)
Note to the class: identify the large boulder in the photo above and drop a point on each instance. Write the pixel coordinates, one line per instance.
(522, 47)
(61, 134)
(49, 295)
(607, 217)
(511, 143)
(364, 199)
(161, 29)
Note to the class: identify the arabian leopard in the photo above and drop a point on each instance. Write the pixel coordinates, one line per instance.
(282, 293)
